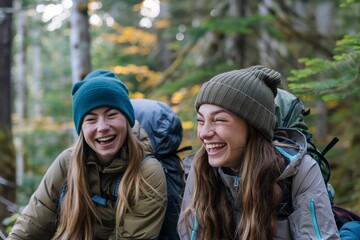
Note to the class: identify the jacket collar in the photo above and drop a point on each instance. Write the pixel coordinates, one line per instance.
(294, 153)
(118, 164)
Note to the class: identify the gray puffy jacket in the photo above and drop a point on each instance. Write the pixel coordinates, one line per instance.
(312, 217)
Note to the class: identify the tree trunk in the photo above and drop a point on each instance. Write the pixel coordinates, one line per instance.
(238, 9)
(7, 151)
(35, 86)
(266, 44)
(80, 40)
(165, 54)
(20, 85)
(323, 25)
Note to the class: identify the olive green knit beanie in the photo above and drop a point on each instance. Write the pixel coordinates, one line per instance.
(249, 93)
(100, 88)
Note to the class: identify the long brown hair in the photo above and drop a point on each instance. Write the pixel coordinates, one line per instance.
(78, 214)
(258, 198)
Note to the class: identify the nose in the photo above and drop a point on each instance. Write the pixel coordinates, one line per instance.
(102, 125)
(205, 131)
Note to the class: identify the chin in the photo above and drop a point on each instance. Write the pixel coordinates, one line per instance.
(214, 164)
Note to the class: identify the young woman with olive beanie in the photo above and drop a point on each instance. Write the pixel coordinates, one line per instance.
(236, 188)
(110, 144)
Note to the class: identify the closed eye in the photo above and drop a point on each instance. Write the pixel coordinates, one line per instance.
(89, 119)
(220, 120)
(112, 115)
(200, 121)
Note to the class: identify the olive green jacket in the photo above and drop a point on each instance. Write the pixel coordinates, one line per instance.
(38, 219)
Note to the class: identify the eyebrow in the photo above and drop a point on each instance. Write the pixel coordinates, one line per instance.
(107, 110)
(216, 112)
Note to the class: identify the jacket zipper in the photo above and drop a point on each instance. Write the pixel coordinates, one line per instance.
(236, 182)
(314, 220)
(193, 231)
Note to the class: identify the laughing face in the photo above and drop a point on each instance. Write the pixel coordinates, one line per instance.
(223, 135)
(105, 132)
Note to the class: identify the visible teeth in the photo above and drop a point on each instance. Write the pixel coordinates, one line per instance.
(215, 145)
(104, 139)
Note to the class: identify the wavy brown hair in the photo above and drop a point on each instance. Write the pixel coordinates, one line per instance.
(258, 199)
(78, 214)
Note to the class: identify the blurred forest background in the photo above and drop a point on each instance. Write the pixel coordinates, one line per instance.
(164, 50)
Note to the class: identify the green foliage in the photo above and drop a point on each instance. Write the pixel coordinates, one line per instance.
(235, 25)
(330, 79)
(31, 182)
(336, 81)
(57, 92)
(192, 78)
(9, 222)
(348, 3)
(41, 147)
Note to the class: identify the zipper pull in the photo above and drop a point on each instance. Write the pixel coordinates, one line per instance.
(236, 182)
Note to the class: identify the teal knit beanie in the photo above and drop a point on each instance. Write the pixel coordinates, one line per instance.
(249, 93)
(100, 88)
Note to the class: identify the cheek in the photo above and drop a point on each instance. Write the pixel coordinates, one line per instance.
(86, 130)
(239, 144)
(236, 138)
(87, 133)
(198, 131)
(123, 132)
(242, 132)
(123, 127)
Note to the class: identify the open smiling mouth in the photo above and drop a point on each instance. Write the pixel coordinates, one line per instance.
(105, 140)
(214, 146)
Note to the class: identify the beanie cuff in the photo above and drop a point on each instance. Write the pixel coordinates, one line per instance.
(100, 97)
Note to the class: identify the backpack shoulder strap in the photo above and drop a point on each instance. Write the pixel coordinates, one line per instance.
(285, 208)
(183, 149)
(329, 146)
(62, 194)
(95, 198)
(321, 159)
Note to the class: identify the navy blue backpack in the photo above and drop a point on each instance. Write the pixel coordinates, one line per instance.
(164, 129)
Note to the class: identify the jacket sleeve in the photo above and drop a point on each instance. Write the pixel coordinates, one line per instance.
(147, 217)
(182, 229)
(37, 219)
(312, 217)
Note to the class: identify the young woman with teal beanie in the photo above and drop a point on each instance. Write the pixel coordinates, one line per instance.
(244, 169)
(111, 145)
